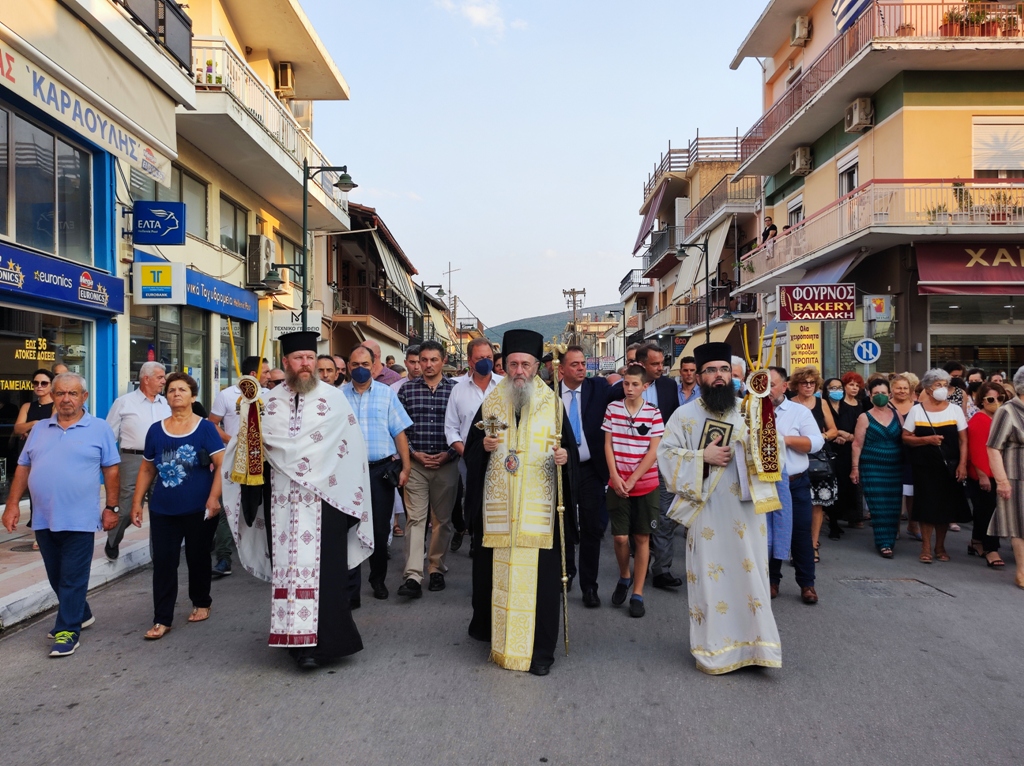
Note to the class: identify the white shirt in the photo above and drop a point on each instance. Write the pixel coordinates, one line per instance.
(132, 414)
(464, 401)
(224, 407)
(792, 419)
(567, 401)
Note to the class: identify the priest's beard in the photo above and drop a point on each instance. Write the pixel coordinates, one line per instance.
(520, 393)
(719, 399)
(299, 385)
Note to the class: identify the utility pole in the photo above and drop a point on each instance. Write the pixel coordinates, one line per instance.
(574, 299)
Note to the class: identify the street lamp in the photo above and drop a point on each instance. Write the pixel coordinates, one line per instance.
(622, 311)
(703, 247)
(345, 184)
(440, 290)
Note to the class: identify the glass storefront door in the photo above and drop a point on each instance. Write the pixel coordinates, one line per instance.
(985, 331)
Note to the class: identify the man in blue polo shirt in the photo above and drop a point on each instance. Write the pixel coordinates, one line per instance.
(62, 464)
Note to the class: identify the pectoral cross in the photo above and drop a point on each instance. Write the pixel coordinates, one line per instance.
(492, 425)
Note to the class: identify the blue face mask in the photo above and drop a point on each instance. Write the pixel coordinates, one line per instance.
(737, 383)
(484, 367)
(835, 396)
(360, 374)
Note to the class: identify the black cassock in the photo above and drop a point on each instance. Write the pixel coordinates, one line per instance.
(549, 564)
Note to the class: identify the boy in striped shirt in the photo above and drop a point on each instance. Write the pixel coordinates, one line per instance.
(633, 428)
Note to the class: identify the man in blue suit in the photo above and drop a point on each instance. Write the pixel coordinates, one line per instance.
(585, 400)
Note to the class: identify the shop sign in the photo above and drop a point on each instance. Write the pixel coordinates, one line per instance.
(33, 275)
(800, 303)
(160, 283)
(282, 322)
(804, 344)
(877, 308)
(209, 293)
(991, 268)
(20, 357)
(158, 223)
(23, 77)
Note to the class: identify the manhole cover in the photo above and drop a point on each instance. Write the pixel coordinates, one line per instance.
(26, 548)
(905, 587)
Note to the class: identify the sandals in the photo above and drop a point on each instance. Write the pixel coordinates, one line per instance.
(997, 563)
(817, 556)
(199, 614)
(886, 553)
(397, 531)
(925, 558)
(157, 632)
(941, 556)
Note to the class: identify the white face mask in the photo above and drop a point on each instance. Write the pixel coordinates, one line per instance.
(940, 394)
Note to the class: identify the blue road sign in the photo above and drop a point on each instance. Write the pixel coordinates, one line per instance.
(867, 351)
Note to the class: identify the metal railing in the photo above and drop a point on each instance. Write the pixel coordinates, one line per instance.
(633, 280)
(218, 67)
(165, 22)
(663, 242)
(368, 301)
(747, 190)
(899, 22)
(893, 202)
(711, 148)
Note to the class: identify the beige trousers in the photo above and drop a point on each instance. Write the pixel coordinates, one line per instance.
(429, 491)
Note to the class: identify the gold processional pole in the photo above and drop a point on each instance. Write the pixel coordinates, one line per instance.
(556, 350)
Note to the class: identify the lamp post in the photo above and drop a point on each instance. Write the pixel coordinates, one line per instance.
(703, 247)
(622, 311)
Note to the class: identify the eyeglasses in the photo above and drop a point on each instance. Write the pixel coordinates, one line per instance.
(808, 382)
(991, 399)
(40, 383)
(716, 371)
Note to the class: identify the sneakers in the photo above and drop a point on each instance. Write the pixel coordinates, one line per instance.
(85, 624)
(64, 644)
(410, 589)
(436, 582)
(222, 568)
(112, 552)
(636, 607)
(621, 588)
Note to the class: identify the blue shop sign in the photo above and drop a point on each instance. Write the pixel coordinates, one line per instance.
(32, 275)
(212, 294)
(158, 223)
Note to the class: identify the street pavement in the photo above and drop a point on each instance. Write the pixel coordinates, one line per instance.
(899, 663)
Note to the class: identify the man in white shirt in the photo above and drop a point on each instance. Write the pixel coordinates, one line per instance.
(801, 434)
(463, 404)
(130, 417)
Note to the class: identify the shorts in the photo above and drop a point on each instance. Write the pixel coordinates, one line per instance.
(633, 515)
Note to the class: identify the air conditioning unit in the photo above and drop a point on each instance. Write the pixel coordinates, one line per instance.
(285, 79)
(801, 163)
(259, 258)
(860, 115)
(801, 32)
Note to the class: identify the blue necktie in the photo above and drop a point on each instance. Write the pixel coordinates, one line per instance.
(574, 418)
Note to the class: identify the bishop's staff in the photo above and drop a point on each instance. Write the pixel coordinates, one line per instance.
(556, 350)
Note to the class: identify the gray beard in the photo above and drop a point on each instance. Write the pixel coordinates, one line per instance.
(299, 386)
(721, 399)
(520, 397)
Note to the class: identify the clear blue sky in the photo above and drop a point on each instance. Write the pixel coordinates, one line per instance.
(514, 138)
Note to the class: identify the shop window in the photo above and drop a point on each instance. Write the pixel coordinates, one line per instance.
(74, 208)
(5, 172)
(288, 251)
(234, 226)
(184, 187)
(34, 192)
(227, 374)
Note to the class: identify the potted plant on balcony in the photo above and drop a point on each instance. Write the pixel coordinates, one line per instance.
(905, 30)
(952, 23)
(1009, 25)
(978, 23)
(964, 203)
(939, 214)
(1002, 206)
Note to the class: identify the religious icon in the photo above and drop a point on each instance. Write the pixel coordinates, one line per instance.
(713, 428)
(512, 463)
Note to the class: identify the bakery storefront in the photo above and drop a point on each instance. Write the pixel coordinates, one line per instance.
(975, 294)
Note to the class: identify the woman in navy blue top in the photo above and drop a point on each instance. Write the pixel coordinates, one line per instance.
(183, 457)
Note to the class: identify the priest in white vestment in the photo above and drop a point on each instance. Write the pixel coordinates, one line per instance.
(315, 522)
(705, 457)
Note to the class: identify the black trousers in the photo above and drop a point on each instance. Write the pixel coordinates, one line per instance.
(336, 635)
(459, 520)
(593, 523)
(984, 506)
(382, 502)
(166, 533)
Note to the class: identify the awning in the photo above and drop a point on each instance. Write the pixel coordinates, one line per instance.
(398, 278)
(649, 216)
(956, 269)
(692, 269)
(719, 333)
(829, 273)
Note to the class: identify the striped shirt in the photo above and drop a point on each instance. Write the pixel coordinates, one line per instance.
(631, 439)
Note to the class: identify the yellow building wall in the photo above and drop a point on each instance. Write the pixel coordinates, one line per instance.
(938, 143)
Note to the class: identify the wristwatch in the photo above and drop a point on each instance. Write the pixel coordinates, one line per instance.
(113, 509)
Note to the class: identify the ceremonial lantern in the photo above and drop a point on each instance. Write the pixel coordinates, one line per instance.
(759, 413)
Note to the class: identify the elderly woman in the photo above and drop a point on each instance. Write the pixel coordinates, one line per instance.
(1006, 459)
(804, 383)
(903, 386)
(876, 440)
(936, 433)
(980, 487)
(183, 454)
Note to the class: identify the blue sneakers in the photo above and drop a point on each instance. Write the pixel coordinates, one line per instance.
(85, 624)
(64, 644)
(222, 568)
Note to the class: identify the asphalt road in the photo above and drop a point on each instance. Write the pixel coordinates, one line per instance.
(898, 663)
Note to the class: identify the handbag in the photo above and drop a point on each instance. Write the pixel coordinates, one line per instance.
(819, 465)
(951, 463)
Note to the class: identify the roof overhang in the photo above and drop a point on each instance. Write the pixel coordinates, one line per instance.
(772, 29)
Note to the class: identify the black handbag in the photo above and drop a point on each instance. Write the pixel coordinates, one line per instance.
(393, 473)
(951, 463)
(819, 465)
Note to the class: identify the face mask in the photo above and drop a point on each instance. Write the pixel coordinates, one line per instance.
(737, 383)
(940, 394)
(835, 396)
(484, 367)
(360, 374)
(880, 400)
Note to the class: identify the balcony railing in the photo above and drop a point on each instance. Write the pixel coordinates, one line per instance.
(691, 315)
(898, 22)
(747, 190)
(901, 202)
(720, 148)
(634, 280)
(368, 301)
(663, 241)
(218, 67)
(165, 22)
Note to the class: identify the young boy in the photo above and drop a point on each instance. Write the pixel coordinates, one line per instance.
(633, 429)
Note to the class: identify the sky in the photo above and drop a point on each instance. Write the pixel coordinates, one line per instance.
(513, 138)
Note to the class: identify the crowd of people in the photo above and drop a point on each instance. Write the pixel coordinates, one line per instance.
(317, 463)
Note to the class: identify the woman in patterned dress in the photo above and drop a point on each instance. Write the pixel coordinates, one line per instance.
(1006, 458)
(804, 383)
(876, 440)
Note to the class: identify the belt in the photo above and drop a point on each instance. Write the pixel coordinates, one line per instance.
(132, 451)
(382, 461)
(796, 476)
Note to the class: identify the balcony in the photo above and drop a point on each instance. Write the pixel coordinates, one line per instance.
(368, 306)
(888, 38)
(689, 316)
(246, 129)
(659, 257)
(728, 197)
(883, 213)
(707, 149)
(166, 23)
(634, 284)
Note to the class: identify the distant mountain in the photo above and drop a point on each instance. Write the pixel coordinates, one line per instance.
(549, 325)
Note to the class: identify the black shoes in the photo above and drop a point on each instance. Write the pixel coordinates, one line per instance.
(354, 603)
(436, 582)
(591, 600)
(456, 541)
(308, 663)
(111, 552)
(619, 594)
(636, 607)
(666, 580)
(568, 585)
(411, 589)
(380, 591)
(539, 670)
